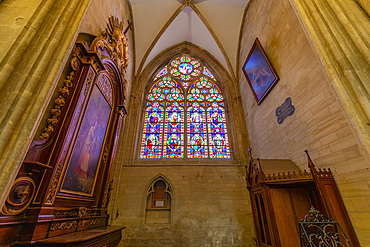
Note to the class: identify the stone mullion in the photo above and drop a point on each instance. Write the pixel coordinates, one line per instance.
(32, 68)
(341, 57)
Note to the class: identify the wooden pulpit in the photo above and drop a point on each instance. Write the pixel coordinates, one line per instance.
(281, 195)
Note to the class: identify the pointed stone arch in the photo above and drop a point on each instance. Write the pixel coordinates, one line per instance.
(158, 200)
(236, 126)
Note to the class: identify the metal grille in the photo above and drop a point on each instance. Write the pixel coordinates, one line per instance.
(318, 230)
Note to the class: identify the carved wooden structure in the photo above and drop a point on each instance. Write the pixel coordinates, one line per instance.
(281, 199)
(40, 208)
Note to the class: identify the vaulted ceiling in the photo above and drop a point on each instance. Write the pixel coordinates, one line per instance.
(213, 25)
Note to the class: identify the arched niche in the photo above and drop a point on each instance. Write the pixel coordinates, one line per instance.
(159, 200)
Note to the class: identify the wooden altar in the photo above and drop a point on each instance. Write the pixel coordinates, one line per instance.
(61, 193)
(281, 195)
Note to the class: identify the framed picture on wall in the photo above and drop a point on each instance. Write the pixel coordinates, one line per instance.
(259, 72)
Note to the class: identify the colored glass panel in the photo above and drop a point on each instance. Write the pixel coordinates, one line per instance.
(175, 63)
(175, 97)
(156, 95)
(214, 97)
(175, 72)
(175, 90)
(185, 68)
(161, 72)
(195, 63)
(195, 72)
(208, 73)
(174, 132)
(203, 83)
(166, 82)
(196, 132)
(185, 77)
(217, 132)
(151, 144)
(185, 59)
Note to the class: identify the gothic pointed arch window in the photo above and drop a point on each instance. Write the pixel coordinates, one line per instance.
(185, 113)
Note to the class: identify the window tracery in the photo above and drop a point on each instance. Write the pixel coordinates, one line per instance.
(185, 115)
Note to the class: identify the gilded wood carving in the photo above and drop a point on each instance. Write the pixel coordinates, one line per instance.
(59, 102)
(114, 41)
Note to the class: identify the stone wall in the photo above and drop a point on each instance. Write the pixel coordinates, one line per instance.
(318, 124)
(210, 204)
(14, 16)
(210, 207)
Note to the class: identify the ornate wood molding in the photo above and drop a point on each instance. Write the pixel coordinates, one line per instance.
(63, 225)
(54, 184)
(288, 176)
(20, 196)
(115, 42)
(59, 102)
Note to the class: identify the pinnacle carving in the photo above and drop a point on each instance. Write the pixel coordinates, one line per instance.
(114, 41)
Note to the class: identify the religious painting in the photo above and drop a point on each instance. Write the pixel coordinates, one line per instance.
(259, 72)
(84, 163)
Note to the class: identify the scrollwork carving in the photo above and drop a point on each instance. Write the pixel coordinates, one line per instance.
(89, 222)
(51, 193)
(74, 62)
(105, 87)
(105, 154)
(82, 212)
(318, 230)
(114, 41)
(106, 197)
(59, 102)
(63, 225)
(67, 213)
(90, 78)
(20, 196)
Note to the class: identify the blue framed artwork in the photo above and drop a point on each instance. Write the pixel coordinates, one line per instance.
(259, 72)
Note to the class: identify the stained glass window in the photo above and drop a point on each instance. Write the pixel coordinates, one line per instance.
(197, 132)
(174, 132)
(217, 132)
(185, 115)
(152, 137)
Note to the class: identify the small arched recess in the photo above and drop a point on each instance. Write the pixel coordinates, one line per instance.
(159, 199)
